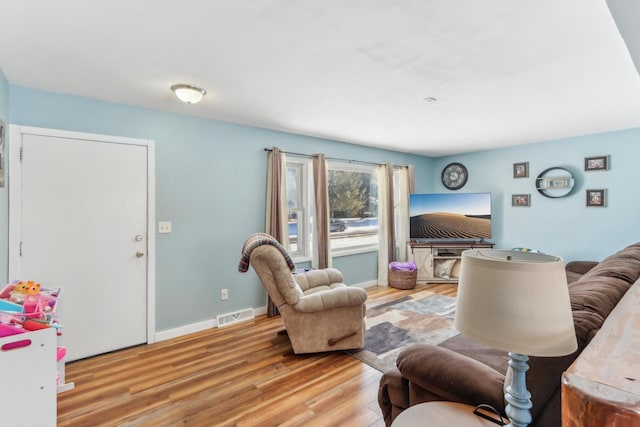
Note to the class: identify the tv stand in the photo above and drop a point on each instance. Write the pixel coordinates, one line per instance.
(438, 260)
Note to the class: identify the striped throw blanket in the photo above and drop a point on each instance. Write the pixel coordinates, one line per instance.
(258, 239)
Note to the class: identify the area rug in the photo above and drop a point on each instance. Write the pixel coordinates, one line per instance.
(421, 318)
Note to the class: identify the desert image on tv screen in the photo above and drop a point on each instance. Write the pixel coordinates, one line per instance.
(450, 216)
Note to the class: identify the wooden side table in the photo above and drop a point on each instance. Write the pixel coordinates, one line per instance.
(438, 414)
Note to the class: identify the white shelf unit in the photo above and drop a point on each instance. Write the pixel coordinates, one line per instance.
(432, 254)
(61, 365)
(28, 391)
(58, 333)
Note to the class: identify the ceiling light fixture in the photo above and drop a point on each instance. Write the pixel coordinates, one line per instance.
(189, 94)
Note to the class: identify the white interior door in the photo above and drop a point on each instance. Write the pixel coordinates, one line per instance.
(84, 226)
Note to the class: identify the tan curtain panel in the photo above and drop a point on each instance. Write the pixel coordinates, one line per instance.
(387, 228)
(276, 210)
(321, 193)
(383, 248)
(390, 217)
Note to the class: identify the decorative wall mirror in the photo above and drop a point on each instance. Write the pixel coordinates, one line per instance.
(555, 182)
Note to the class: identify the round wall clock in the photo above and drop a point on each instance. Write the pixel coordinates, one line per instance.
(454, 176)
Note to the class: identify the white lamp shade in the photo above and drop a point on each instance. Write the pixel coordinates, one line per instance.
(515, 301)
(188, 94)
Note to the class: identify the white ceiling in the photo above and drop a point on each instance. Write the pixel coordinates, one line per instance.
(504, 72)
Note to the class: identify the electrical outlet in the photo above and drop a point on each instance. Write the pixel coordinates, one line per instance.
(224, 294)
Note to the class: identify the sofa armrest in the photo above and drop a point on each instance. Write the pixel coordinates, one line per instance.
(393, 395)
(452, 376)
(580, 267)
(334, 298)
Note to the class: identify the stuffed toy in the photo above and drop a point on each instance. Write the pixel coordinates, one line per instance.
(22, 289)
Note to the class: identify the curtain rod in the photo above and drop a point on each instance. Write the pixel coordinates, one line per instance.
(335, 158)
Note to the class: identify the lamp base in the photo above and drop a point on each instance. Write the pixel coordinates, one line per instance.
(517, 396)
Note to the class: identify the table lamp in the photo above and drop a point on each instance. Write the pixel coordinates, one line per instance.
(516, 302)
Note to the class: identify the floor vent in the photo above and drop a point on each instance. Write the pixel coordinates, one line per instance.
(235, 317)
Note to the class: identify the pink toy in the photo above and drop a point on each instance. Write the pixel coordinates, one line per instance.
(7, 330)
(61, 353)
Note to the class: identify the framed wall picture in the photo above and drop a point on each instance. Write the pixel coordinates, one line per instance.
(521, 170)
(521, 200)
(596, 198)
(599, 163)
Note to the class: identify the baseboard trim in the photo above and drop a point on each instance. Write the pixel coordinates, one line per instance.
(196, 327)
(212, 323)
(369, 284)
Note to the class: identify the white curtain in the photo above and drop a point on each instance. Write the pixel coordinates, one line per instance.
(402, 232)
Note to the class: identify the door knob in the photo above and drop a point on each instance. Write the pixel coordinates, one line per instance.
(139, 254)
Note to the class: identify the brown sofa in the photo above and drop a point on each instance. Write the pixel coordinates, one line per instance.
(460, 370)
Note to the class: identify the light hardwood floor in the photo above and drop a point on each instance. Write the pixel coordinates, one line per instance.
(240, 375)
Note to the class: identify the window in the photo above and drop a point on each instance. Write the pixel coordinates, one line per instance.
(299, 208)
(353, 208)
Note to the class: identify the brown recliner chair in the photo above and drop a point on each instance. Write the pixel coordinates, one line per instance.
(320, 313)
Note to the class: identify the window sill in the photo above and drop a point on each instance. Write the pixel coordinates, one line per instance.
(346, 252)
(301, 259)
(354, 251)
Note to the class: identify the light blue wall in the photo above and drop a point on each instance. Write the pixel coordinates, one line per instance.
(358, 267)
(4, 193)
(211, 185)
(565, 226)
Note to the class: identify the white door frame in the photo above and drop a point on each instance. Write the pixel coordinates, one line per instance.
(15, 204)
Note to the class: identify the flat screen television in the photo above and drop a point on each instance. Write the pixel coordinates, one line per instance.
(464, 216)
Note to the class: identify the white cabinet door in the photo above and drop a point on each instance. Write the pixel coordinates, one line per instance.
(423, 257)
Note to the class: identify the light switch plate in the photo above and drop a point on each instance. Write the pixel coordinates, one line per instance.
(164, 227)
